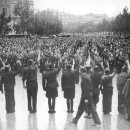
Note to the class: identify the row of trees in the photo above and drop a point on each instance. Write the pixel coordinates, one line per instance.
(47, 22)
(40, 23)
(26, 21)
(121, 24)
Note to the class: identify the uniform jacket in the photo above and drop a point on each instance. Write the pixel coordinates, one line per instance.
(126, 92)
(68, 79)
(49, 78)
(96, 78)
(121, 79)
(86, 86)
(8, 79)
(106, 81)
(30, 75)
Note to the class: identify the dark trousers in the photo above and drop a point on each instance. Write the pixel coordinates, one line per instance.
(84, 107)
(121, 100)
(10, 101)
(51, 104)
(32, 99)
(70, 104)
(107, 100)
(95, 99)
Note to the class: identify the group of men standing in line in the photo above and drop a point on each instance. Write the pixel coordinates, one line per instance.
(93, 80)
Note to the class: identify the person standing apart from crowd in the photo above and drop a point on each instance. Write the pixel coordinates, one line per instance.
(68, 86)
(121, 79)
(50, 85)
(30, 82)
(86, 101)
(8, 80)
(107, 90)
(96, 77)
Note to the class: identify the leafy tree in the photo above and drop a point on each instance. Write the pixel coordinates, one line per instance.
(121, 24)
(5, 28)
(41, 23)
(47, 23)
(24, 16)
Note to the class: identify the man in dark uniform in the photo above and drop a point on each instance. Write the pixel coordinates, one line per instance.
(30, 76)
(68, 86)
(77, 74)
(96, 77)
(111, 62)
(63, 64)
(119, 64)
(50, 84)
(121, 79)
(43, 66)
(105, 58)
(8, 80)
(86, 98)
(107, 90)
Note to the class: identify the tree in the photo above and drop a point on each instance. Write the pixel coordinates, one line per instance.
(47, 23)
(5, 28)
(41, 23)
(24, 15)
(121, 24)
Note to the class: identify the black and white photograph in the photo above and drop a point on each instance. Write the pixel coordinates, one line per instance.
(64, 64)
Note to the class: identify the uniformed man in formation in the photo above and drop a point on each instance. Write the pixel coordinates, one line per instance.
(66, 50)
(68, 85)
(50, 85)
(30, 83)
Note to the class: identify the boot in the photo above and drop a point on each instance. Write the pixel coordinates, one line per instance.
(53, 106)
(68, 106)
(71, 106)
(49, 105)
(74, 121)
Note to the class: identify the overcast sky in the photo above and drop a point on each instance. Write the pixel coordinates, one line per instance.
(79, 7)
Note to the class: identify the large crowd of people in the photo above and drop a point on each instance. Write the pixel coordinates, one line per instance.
(108, 56)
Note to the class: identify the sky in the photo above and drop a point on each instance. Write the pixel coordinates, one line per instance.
(81, 7)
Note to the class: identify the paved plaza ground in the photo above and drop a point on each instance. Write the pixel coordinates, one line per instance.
(23, 120)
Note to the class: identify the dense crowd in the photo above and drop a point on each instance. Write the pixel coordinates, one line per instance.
(108, 55)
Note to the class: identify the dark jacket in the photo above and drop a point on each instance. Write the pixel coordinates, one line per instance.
(49, 79)
(96, 78)
(68, 79)
(121, 79)
(30, 75)
(8, 79)
(106, 80)
(43, 66)
(86, 86)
